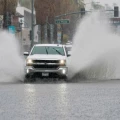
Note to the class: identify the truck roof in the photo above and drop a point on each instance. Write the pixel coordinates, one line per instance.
(60, 45)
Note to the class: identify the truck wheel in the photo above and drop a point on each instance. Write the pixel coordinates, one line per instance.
(29, 79)
(26, 80)
(66, 79)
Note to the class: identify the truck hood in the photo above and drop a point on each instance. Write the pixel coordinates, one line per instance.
(47, 57)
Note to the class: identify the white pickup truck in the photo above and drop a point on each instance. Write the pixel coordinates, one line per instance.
(46, 61)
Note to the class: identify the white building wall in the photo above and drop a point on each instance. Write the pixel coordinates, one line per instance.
(88, 5)
(26, 26)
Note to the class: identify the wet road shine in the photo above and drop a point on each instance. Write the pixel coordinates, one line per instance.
(90, 100)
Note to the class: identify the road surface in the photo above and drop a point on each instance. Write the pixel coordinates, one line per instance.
(84, 100)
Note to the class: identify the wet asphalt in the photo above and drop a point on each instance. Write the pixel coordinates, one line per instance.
(58, 100)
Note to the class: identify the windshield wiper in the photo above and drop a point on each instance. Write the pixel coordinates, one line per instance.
(46, 50)
(58, 51)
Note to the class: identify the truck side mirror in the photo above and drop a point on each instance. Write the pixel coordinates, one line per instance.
(26, 53)
(68, 55)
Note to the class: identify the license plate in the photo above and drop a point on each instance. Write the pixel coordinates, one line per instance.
(45, 74)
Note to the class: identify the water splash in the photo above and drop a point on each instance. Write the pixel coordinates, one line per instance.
(11, 60)
(96, 49)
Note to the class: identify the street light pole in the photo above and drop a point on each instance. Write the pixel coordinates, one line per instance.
(21, 22)
(5, 6)
(5, 13)
(32, 23)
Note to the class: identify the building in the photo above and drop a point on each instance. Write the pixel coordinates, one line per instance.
(88, 5)
(24, 35)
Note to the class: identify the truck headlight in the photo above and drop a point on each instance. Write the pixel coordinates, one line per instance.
(29, 62)
(62, 62)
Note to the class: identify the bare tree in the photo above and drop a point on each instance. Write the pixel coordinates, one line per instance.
(8, 5)
(25, 3)
(51, 8)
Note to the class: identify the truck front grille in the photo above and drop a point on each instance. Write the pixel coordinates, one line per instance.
(46, 61)
(46, 64)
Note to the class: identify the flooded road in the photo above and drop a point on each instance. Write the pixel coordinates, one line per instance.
(84, 100)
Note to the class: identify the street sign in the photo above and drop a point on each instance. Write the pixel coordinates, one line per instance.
(62, 21)
(12, 29)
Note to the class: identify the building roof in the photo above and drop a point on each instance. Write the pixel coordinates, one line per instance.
(17, 14)
(21, 10)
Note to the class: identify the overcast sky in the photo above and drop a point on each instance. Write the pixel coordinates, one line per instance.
(110, 2)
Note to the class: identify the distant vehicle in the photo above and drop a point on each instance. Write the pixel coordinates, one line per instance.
(68, 48)
(46, 61)
(69, 43)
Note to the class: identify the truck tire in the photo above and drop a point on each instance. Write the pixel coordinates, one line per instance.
(29, 79)
(66, 79)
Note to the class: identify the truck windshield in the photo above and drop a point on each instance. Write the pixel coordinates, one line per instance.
(49, 50)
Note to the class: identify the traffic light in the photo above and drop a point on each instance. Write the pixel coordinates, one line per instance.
(9, 19)
(82, 11)
(116, 11)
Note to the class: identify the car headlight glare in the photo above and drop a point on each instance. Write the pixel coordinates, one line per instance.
(62, 62)
(29, 62)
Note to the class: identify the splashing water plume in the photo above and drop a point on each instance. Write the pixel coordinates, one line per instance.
(11, 61)
(96, 49)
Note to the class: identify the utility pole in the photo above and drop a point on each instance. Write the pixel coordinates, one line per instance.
(21, 22)
(5, 6)
(51, 33)
(39, 33)
(46, 31)
(5, 14)
(32, 23)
